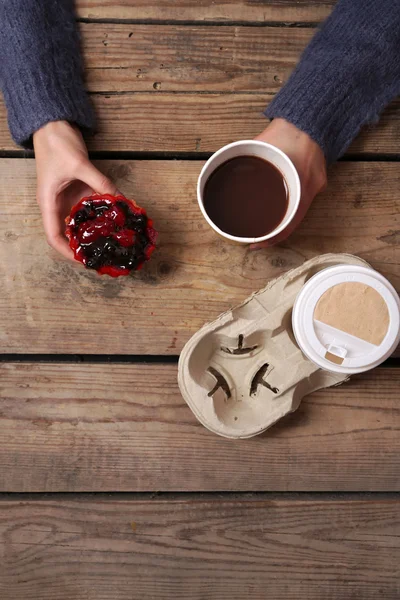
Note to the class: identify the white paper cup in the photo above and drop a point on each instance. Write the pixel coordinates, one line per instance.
(272, 155)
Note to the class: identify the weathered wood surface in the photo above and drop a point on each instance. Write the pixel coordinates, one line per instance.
(125, 427)
(125, 57)
(193, 549)
(48, 305)
(165, 87)
(173, 122)
(260, 11)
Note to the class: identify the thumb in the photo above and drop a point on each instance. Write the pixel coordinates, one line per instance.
(54, 227)
(96, 180)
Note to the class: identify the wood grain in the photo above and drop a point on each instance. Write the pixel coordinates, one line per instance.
(130, 550)
(173, 122)
(207, 10)
(125, 57)
(48, 305)
(125, 427)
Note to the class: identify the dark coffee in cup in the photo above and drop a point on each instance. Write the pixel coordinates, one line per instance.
(248, 191)
(246, 196)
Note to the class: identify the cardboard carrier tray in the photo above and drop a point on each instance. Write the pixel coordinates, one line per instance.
(244, 371)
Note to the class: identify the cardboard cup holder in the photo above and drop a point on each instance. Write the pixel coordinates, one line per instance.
(244, 371)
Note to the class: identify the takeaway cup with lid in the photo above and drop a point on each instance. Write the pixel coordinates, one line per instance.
(346, 319)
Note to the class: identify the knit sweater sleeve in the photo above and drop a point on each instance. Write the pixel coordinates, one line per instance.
(349, 72)
(40, 67)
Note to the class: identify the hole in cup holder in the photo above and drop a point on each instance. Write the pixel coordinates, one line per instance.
(259, 379)
(240, 349)
(220, 382)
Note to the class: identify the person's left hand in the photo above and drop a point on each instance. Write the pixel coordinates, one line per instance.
(310, 163)
(64, 175)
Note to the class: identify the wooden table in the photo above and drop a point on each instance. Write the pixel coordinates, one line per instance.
(110, 488)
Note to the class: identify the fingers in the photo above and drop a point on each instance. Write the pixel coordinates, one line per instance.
(64, 173)
(54, 202)
(281, 237)
(271, 242)
(60, 244)
(95, 179)
(260, 245)
(54, 228)
(305, 203)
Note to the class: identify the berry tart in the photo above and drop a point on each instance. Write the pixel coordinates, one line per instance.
(110, 234)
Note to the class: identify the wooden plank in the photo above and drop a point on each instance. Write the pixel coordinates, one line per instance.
(123, 57)
(193, 549)
(48, 305)
(207, 10)
(204, 123)
(158, 122)
(125, 427)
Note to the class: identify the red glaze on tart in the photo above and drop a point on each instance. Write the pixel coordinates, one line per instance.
(110, 234)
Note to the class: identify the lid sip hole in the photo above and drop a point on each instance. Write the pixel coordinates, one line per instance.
(336, 354)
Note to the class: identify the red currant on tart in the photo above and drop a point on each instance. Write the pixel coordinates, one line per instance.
(110, 234)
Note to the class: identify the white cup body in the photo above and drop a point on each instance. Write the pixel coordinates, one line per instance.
(272, 155)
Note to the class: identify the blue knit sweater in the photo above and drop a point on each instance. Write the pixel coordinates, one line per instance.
(348, 73)
(40, 66)
(346, 76)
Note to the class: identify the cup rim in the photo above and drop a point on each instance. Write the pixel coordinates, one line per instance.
(274, 232)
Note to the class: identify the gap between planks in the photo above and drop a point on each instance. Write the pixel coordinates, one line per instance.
(393, 362)
(187, 156)
(205, 23)
(218, 496)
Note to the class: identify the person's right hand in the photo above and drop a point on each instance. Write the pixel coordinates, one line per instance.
(64, 175)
